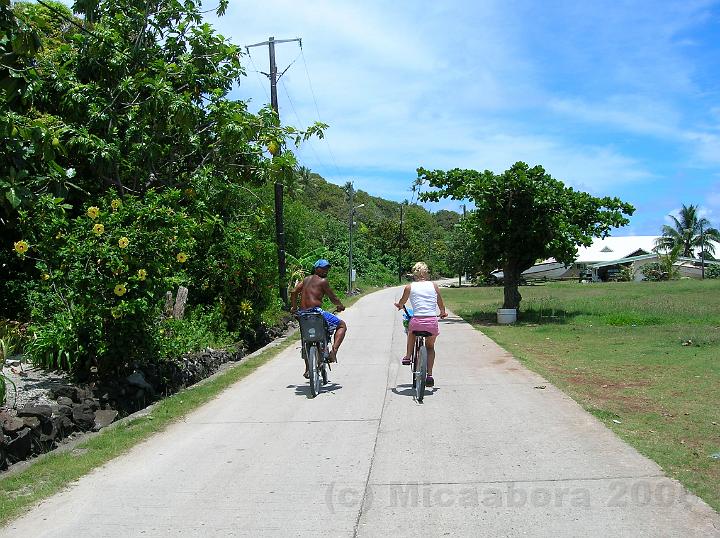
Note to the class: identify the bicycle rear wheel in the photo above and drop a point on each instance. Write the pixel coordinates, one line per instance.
(314, 369)
(421, 374)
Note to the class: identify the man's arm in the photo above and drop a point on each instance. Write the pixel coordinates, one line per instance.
(333, 298)
(440, 302)
(294, 293)
(404, 298)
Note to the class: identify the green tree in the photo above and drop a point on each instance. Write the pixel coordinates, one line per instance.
(685, 233)
(523, 215)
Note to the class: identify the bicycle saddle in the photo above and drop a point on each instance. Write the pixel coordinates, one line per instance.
(422, 333)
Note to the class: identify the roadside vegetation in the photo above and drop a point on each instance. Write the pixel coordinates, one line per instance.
(640, 356)
(128, 171)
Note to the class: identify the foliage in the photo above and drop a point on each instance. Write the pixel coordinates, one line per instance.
(685, 234)
(523, 215)
(101, 276)
(712, 270)
(626, 273)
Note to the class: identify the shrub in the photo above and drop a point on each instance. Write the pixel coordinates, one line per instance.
(654, 272)
(712, 271)
(101, 277)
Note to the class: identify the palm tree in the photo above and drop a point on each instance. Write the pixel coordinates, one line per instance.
(689, 232)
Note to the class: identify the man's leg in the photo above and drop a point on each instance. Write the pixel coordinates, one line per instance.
(337, 340)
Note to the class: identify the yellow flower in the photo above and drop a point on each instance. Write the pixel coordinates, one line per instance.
(93, 212)
(120, 290)
(246, 307)
(59, 235)
(21, 247)
(98, 229)
(182, 257)
(45, 276)
(115, 204)
(142, 274)
(124, 242)
(190, 193)
(116, 313)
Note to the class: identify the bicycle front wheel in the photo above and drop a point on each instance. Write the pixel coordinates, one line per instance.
(421, 375)
(313, 365)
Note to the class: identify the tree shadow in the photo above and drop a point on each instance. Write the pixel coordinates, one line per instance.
(532, 315)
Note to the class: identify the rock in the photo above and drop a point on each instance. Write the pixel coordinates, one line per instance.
(68, 391)
(63, 425)
(93, 403)
(13, 425)
(18, 449)
(62, 410)
(104, 418)
(32, 423)
(42, 412)
(137, 379)
(64, 400)
(3, 452)
(83, 416)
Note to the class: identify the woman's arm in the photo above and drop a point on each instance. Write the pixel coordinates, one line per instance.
(404, 298)
(440, 302)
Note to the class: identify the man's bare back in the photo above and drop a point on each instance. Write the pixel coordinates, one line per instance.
(314, 288)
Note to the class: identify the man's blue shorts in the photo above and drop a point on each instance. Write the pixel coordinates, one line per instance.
(332, 320)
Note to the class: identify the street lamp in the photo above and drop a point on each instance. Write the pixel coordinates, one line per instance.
(350, 263)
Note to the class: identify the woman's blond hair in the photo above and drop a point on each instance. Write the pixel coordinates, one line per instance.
(420, 269)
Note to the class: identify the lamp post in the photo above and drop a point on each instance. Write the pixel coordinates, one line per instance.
(350, 229)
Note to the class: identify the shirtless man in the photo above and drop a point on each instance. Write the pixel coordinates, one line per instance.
(312, 289)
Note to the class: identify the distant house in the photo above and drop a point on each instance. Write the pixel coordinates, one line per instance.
(603, 260)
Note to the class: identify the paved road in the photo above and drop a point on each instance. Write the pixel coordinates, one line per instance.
(488, 454)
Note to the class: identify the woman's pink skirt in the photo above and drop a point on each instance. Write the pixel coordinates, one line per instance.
(429, 324)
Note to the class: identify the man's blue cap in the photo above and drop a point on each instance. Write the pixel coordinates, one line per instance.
(321, 263)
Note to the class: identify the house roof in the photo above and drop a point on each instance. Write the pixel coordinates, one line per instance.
(615, 248)
(680, 261)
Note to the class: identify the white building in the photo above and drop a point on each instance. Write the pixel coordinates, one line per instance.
(605, 257)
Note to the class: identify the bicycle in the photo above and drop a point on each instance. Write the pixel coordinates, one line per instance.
(315, 338)
(418, 362)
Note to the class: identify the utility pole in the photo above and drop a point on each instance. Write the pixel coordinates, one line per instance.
(279, 223)
(350, 227)
(702, 253)
(400, 246)
(464, 248)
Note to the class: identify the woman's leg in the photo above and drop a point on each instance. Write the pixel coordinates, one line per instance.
(430, 345)
(410, 345)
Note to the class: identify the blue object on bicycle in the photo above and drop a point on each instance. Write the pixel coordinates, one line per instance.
(407, 315)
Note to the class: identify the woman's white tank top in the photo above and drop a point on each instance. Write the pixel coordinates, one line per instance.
(423, 298)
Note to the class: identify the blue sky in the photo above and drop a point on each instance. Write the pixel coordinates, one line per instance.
(617, 98)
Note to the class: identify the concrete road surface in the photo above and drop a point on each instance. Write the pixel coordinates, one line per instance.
(489, 453)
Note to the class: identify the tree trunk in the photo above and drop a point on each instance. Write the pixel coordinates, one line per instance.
(511, 278)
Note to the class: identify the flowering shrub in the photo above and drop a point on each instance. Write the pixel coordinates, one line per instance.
(102, 277)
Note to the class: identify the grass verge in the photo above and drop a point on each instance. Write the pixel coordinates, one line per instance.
(641, 353)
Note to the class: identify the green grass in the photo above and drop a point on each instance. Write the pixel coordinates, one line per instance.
(644, 353)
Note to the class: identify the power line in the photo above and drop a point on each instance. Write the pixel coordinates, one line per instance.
(257, 74)
(317, 110)
(300, 122)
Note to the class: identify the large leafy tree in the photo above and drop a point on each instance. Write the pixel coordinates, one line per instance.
(523, 215)
(685, 233)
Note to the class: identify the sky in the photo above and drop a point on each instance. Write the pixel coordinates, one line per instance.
(617, 98)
